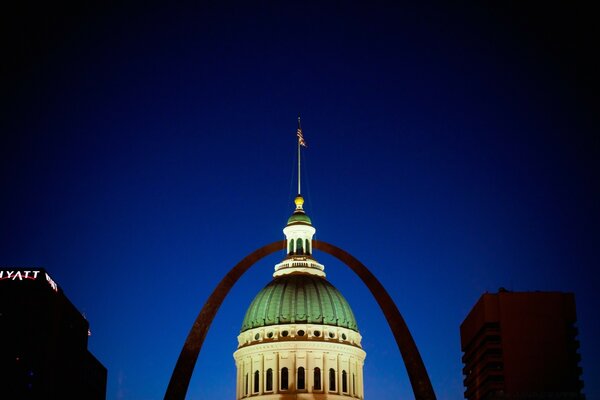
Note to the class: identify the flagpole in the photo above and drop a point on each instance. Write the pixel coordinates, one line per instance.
(300, 129)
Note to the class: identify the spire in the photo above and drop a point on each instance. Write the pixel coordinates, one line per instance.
(299, 233)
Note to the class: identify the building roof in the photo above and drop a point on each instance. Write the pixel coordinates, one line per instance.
(299, 298)
(299, 217)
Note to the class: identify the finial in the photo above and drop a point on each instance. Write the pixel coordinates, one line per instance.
(299, 201)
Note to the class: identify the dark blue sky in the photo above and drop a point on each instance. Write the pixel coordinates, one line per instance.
(146, 149)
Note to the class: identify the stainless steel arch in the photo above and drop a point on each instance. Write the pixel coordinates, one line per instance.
(182, 373)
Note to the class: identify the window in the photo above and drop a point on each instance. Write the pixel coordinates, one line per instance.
(290, 247)
(284, 378)
(256, 381)
(300, 383)
(246, 385)
(353, 384)
(299, 246)
(344, 382)
(317, 378)
(269, 383)
(331, 380)
(306, 246)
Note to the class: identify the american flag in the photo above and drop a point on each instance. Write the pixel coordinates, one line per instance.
(300, 138)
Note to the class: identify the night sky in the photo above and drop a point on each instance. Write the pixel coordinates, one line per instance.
(146, 149)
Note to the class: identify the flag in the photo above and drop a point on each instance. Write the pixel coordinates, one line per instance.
(300, 138)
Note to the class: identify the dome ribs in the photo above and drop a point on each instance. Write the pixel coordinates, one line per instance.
(286, 302)
(329, 315)
(301, 306)
(263, 306)
(316, 309)
(248, 318)
(299, 298)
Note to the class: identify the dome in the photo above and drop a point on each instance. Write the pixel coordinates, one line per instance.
(299, 298)
(299, 217)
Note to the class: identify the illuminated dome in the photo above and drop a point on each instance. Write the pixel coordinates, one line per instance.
(299, 338)
(299, 298)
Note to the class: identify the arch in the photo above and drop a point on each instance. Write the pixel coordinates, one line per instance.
(344, 381)
(182, 373)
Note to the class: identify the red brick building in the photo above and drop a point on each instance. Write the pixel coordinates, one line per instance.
(521, 345)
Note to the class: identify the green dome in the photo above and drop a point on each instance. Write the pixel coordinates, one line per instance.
(299, 298)
(299, 217)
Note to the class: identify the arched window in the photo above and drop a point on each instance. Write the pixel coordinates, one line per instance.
(246, 385)
(353, 384)
(284, 378)
(331, 380)
(299, 246)
(269, 383)
(344, 382)
(306, 246)
(256, 381)
(290, 247)
(300, 383)
(317, 378)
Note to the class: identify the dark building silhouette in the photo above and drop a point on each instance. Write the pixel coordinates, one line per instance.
(43, 342)
(521, 345)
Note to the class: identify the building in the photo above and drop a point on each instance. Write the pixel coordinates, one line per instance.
(44, 340)
(521, 345)
(299, 338)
